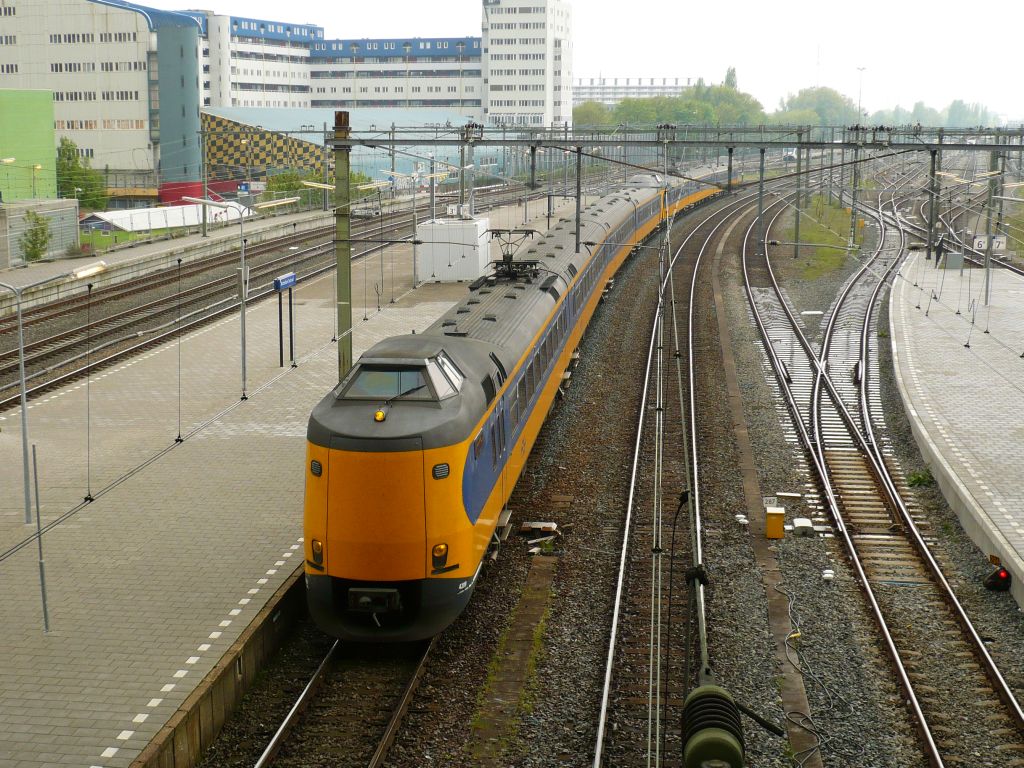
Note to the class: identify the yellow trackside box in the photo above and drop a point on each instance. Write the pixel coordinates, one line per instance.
(774, 522)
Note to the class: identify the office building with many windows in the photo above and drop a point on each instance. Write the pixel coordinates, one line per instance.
(399, 72)
(124, 78)
(612, 90)
(129, 82)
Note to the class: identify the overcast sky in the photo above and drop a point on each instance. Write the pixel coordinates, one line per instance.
(928, 51)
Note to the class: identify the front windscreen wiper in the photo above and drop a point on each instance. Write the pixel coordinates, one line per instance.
(409, 391)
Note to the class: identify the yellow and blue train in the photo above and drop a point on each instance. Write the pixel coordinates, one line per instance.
(412, 457)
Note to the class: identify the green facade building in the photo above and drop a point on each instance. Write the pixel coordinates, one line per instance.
(28, 158)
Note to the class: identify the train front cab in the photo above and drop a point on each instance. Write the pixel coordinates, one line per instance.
(387, 541)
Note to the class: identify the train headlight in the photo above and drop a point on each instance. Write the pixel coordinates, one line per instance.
(379, 415)
(439, 555)
(318, 551)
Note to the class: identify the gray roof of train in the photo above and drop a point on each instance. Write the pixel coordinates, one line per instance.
(508, 314)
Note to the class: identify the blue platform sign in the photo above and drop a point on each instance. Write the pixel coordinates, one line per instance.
(284, 281)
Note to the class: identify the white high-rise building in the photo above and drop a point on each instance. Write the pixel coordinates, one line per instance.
(257, 63)
(527, 63)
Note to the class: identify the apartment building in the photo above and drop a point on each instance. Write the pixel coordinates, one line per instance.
(527, 63)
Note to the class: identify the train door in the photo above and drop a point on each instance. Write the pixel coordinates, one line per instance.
(500, 443)
(499, 430)
(498, 446)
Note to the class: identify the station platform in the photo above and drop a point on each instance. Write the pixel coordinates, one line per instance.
(960, 372)
(149, 584)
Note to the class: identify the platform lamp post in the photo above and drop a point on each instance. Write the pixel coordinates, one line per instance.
(79, 274)
(378, 187)
(414, 180)
(860, 90)
(243, 272)
(35, 169)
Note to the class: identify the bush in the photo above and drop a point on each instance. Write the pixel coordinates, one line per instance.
(35, 242)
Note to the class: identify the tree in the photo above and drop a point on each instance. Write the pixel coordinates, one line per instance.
(961, 115)
(698, 105)
(925, 115)
(730, 78)
(36, 239)
(831, 106)
(795, 117)
(76, 179)
(637, 112)
(289, 181)
(895, 116)
(591, 113)
(732, 107)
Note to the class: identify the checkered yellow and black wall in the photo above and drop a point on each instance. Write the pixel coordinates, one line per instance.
(238, 151)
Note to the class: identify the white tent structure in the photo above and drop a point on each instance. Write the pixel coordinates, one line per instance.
(169, 217)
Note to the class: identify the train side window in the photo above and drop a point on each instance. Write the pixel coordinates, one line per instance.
(478, 445)
(489, 390)
(501, 369)
(442, 384)
(494, 444)
(513, 409)
(450, 370)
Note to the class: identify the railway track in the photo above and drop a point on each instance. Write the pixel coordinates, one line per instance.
(348, 713)
(87, 331)
(647, 671)
(658, 653)
(943, 667)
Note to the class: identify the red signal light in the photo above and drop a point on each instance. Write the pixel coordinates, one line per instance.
(998, 580)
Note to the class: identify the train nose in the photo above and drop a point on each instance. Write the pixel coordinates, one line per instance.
(376, 521)
(374, 600)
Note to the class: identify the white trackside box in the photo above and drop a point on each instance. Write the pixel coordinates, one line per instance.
(452, 249)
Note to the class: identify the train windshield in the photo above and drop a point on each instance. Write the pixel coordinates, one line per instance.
(374, 382)
(437, 380)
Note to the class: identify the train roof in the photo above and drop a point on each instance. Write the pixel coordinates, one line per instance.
(507, 311)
